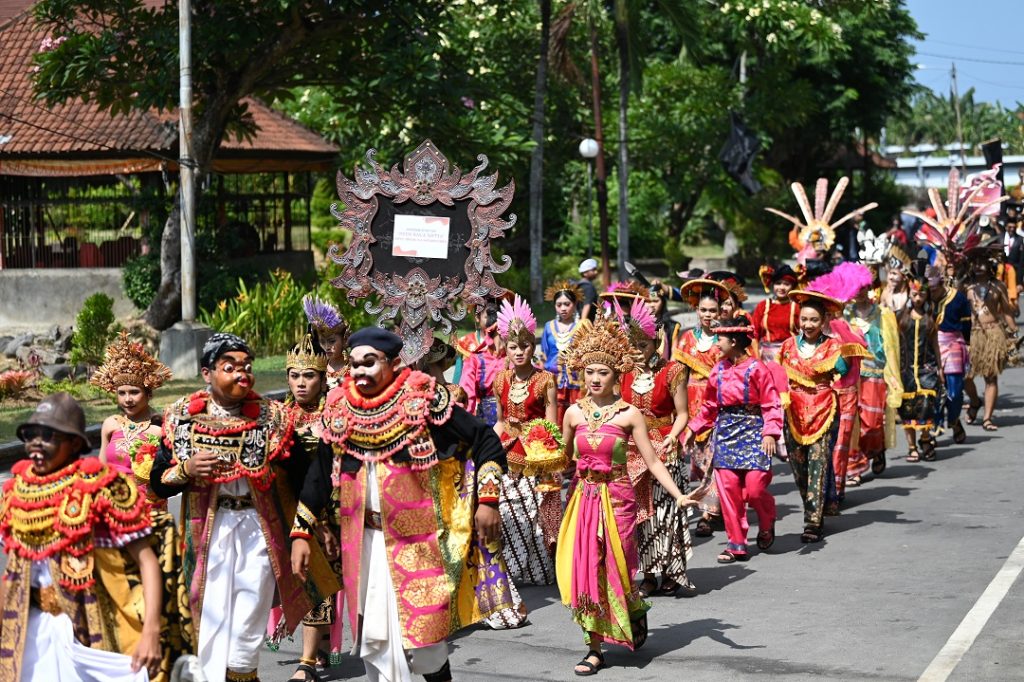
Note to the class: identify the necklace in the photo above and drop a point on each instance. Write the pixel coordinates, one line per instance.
(643, 382)
(704, 341)
(599, 416)
(519, 390)
(130, 431)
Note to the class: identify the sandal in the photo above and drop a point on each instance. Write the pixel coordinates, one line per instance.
(928, 450)
(853, 481)
(591, 669)
(913, 455)
(878, 464)
(703, 529)
(959, 435)
(308, 672)
(730, 557)
(668, 588)
(811, 535)
(766, 538)
(647, 587)
(639, 632)
(989, 426)
(972, 411)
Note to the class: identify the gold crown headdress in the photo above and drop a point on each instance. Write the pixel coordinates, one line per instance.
(128, 364)
(817, 228)
(604, 343)
(574, 290)
(304, 355)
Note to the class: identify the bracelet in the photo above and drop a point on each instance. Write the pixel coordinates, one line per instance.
(681, 501)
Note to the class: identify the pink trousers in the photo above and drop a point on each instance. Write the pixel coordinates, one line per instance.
(736, 489)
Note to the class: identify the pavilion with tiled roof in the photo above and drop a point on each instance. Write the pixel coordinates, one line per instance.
(75, 144)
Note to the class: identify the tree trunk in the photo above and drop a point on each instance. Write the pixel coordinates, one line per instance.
(537, 162)
(601, 172)
(623, 44)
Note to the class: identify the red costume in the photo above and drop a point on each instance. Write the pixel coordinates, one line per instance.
(775, 322)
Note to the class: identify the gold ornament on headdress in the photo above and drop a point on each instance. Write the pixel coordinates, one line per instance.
(604, 342)
(571, 288)
(817, 228)
(303, 355)
(128, 364)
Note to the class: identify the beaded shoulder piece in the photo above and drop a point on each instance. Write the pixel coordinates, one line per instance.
(375, 429)
(54, 516)
(245, 445)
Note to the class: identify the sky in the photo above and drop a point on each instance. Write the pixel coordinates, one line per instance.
(964, 32)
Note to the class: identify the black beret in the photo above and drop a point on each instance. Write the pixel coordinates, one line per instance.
(386, 342)
(219, 344)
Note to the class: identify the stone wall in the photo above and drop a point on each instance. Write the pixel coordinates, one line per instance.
(35, 300)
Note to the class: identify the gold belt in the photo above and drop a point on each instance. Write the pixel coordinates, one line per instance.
(371, 519)
(590, 476)
(45, 599)
(234, 503)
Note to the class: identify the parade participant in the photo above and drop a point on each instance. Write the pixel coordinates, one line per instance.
(921, 371)
(671, 330)
(129, 444)
(557, 336)
(76, 537)
(131, 375)
(471, 342)
(306, 367)
(698, 351)
(896, 294)
(588, 273)
(992, 326)
(953, 321)
(597, 555)
(732, 304)
(656, 387)
(880, 390)
(775, 319)
(393, 446)
(531, 506)
(479, 370)
(812, 361)
(743, 406)
(226, 451)
(330, 330)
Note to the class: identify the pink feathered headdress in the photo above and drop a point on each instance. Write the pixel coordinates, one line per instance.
(640, 323)
(516, 320)
(844, 282)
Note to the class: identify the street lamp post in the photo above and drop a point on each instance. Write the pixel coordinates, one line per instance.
(589, 151)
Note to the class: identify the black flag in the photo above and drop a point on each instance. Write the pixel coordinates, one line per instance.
(737, 155)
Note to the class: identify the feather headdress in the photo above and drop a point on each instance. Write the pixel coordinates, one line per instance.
(844, 282)
(817, 231)
(128, 364)
(639, 323)
(323, 316)
(955, 231)
(625, 291)
(516, 322)
(603, 343)
(898, 259)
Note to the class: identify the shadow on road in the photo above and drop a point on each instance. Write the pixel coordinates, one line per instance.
(668, 638)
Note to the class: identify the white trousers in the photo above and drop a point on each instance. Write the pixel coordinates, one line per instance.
(238, 594)
(52, 654)
(380, 638)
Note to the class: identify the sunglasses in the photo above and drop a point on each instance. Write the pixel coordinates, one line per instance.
(43, 433)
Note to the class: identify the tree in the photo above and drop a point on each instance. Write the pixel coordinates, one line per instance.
(122, 54)
(537, 159)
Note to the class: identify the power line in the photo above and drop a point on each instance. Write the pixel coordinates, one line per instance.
(972, 47)
(970, 59)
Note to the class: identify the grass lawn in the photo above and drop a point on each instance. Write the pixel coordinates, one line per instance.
(98, 406)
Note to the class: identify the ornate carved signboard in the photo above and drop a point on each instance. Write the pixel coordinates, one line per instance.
(421, 242)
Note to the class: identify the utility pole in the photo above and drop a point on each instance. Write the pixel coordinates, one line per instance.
(186, 165)
(959, 123)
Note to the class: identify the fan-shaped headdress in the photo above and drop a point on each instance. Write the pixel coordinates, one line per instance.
(625, 292)
(954, 230)
(517, 323)
(602, 343)
(844, 282)
(564, 286)
(128, 364)
(639, 323)
(817, 232)
(306, 354)
(323, 317)
(898, 259)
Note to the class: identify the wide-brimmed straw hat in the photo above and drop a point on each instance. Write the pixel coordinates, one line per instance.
(832, 306)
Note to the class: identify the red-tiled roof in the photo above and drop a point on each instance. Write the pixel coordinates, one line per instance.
(30, 130)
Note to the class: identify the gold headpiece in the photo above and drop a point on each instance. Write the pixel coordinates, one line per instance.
(604, 343)
(574, 290)
(128, 364)
(304, 355)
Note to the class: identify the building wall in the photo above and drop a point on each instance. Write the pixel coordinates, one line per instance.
(34, 300)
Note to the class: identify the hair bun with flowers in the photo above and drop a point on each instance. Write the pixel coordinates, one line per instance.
(128, 364)
(516, 322)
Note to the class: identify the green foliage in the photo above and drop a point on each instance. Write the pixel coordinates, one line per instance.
(77, 388)
(269, 314)
(931, 118)
(93, 330)
(141, 277)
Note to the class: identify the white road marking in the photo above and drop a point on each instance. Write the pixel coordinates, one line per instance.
(971, 626)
